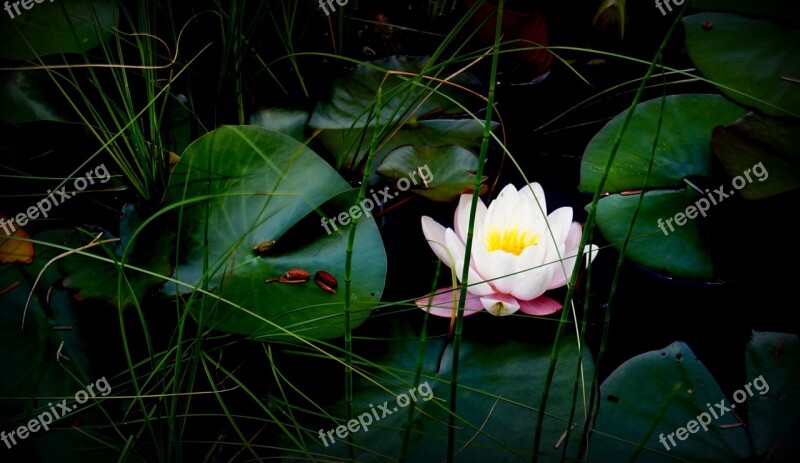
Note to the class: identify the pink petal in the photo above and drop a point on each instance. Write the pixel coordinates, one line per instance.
(542, 305)
(442, 303)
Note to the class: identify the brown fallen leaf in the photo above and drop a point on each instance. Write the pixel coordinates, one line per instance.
(11, 249)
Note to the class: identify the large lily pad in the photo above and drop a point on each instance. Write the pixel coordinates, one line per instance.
(30, 364)
(781, 9)
(61, 27)
(23, 100)
(749, 59)
(651, 397)
(345, 116)
(495, 417)
(683, 148)
(681, 251)
(244, 186)
(447, 171)
(683, 151)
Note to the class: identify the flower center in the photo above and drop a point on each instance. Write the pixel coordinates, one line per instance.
(510, 239)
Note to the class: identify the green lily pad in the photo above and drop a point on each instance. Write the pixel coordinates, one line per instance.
(348, 131)
(681, 252)
(495, 417)
(780, 9)
(28, 356)
(292, 122)
(22, 99)
(244, 186)
(774, 409)
(651, 397)
(91, 278)
(62, 27)
(683, 150)
(763, 147)
(751, 56)
(448, 171)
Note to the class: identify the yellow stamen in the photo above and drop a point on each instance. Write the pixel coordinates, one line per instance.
(510, 239)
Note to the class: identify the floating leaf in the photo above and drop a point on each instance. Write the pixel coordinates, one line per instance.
(12, 249)
(768, 141)
(243, 186)
(651, 397)
(682, 252)
(28, 357)
(347, 120)
(751, 56)
(780, 9)
(62, 27)
(23, 100)
(292, 122)
(448, 171)
(683, 150)
(495, 417)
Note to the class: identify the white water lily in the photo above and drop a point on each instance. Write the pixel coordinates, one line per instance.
(517, 253)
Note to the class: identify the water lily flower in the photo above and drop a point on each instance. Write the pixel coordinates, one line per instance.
(517, 254)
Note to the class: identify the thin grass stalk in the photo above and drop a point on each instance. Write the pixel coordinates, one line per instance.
(462, 296)
(348, 277)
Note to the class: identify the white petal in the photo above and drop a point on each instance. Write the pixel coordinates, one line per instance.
(533, 283)
(561, 275)
(500, 304)
(477, 285)
(500, 271)
(560, 221)
(462, 216)
(435, 234)
(535, 195)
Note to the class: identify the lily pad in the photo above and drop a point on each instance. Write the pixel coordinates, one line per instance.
(22, 98)
(682, 251)
(765, 148)
(292, 122)
(771, 53)
(774, 409)
(655, 395)
(683, 148)
(91, 278)
(683, 151)
(447, 171)
(780, 9)
(244, 186)
(345, 116)
(29, 356)
(62, 27)
(495, 418)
